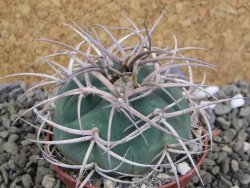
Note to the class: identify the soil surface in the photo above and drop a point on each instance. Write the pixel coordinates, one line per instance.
(222, 26)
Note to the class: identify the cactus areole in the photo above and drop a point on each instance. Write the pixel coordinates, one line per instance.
(95, 114)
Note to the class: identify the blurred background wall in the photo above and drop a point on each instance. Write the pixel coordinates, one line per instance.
(221, 25)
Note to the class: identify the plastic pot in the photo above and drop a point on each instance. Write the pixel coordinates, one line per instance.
(70, 182)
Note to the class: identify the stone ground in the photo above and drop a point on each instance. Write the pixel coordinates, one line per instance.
(21, 166)
(222, 26)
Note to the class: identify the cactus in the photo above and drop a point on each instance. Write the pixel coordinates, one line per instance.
(95, 113)
(121, 110)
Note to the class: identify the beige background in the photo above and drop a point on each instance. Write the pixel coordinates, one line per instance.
(223, 25)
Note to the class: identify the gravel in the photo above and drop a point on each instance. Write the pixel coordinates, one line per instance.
(231, 163)
(20, 163)
(21, 166)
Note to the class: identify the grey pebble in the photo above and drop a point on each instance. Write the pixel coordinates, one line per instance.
(241, 138)
(221, 93)
(229, 134)
(214, 184)
(10, 147)
(222, 156)
(225, 167)
(25, 112)
(23, 86)
(38, 186)
(14, 183)
(11, 108)
(211, 117)
(43, 163)
(237, 124)
(221, 109)
(222, 123)
(40, 173)
(33, 158)
(48, 181)
(4, 157)
(21, 159)
(3, 185)
(4, 97)
(11, 164)
(233, 114)
(215, 170)
(208, 162)
(245, 122)
(217, 139)
(203, 172)
(243, 164)
(248, 130)
(31, 136)
(13, 138)
(242, 84)
(212, 156)
(4, 134)
(234, 165)
(244, 179)
(225, 181)
(4, 175)
(227, 149)
(244, 155)
(233, 89)
(13, 117)
(244, 112)
(15, 92)
(14, 129)
(26, 142)
(207, 178)
(1, 140)
(195, 179)
(27, 180)
(30, 94)
(39, 95)
(6, 122)
(235, 156)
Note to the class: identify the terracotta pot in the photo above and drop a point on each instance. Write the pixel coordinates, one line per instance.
(70, 182)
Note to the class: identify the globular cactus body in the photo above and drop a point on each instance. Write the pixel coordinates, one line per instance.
(95, 112)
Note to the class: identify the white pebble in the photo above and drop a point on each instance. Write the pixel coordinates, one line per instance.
(211, 106)
(164, 176)
(235, 186)
(209, 91)
(237, 101)
(143, 186)
(108, 183)
(246, 146)
(48, 181)
(183, 168)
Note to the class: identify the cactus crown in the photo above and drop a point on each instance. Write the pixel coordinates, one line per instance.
(121, 110)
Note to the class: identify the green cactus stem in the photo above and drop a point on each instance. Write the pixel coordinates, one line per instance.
(95, 114)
